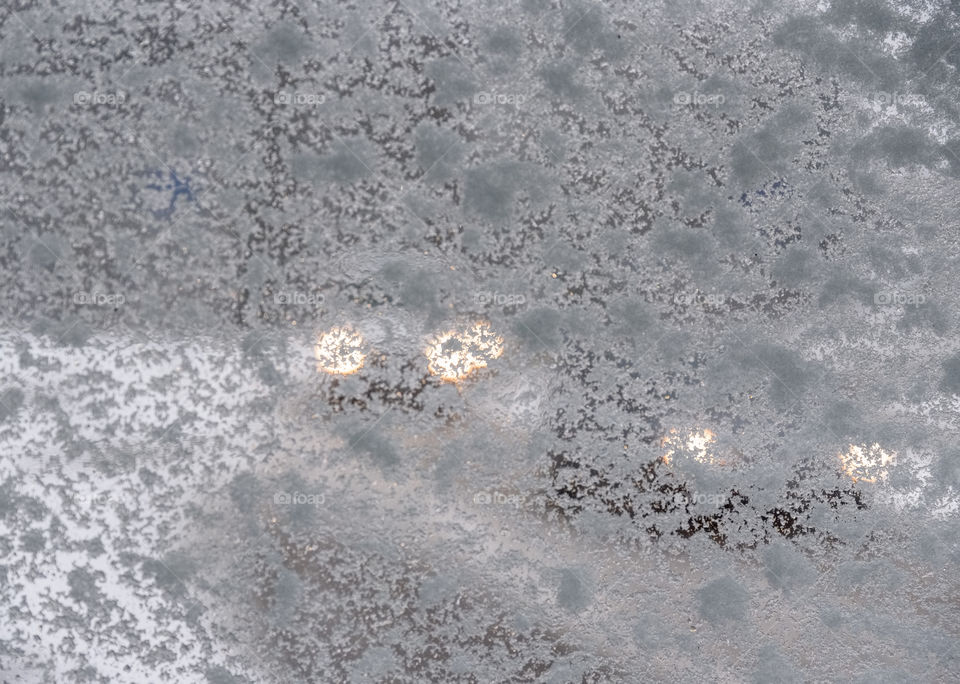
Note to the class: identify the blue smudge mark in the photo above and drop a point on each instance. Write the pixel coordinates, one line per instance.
(179, 187)
(778, 188)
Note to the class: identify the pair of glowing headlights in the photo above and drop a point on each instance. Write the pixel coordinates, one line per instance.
(861, 463)
(452, 355)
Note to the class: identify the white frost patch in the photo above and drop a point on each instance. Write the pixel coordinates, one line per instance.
(140, 390)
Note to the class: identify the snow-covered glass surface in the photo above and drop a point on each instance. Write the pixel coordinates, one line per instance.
(479, 342)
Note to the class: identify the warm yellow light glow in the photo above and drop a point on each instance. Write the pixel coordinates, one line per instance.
(454, 355)
(696, 443)
(866, 464)
(339, 352)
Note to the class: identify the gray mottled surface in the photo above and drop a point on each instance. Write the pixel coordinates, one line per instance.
(719, 241)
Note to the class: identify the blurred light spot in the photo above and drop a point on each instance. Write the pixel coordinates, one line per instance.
(866, 464)
(696, 444)
(338, 352)
(454, 355)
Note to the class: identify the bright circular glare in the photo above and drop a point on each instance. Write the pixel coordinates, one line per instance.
(339, 352)
(866, 464)
(695, 443)
(454, 355)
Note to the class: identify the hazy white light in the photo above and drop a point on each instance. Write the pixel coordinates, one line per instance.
(339, 352)
(696, 443)
(454, 355)
(866, 464)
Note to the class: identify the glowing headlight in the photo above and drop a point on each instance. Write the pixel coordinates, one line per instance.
(696, 443)
(454, 355)
(339, 352)
(866, 464)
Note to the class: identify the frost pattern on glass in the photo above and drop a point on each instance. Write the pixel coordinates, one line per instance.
(473, 342)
